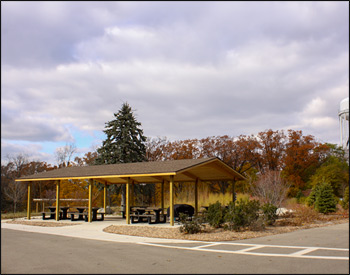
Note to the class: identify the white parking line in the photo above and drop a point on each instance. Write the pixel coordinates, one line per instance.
(248, 251)
(304, 251)
(206, 245)
(251, 248)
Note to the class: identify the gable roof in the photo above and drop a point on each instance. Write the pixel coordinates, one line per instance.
(205, 169)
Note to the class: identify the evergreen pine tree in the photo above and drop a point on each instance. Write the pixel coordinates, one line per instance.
(125, 141)
(311, 199)
(325, 200)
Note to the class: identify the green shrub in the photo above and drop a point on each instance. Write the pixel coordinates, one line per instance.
(325, 200)
(299, 196)
(190, 226)
(345, 201)
(269, 211)
(230, 216)
(243, 214)
(311, 199)
(258, 224)
(215, 215)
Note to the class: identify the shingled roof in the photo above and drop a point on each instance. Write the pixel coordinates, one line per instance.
(205, 169)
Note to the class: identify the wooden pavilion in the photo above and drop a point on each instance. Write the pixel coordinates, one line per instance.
(164, 172)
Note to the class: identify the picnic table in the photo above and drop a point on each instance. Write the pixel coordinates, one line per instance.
(53, 212)
(83, 213)
(80, 213)
(132, 209)
(147, 213)
(157, 211)
(63, 212)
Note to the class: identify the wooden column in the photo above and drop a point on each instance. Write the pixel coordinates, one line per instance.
(90, 200)
(105, 198)
(132, 195)
(171, 201)
(58, 183)
(162, 197)
(127, 197)
(29, 210)
(196, 197)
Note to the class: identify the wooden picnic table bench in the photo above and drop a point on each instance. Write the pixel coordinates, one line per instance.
(135, 218)
(85, 216)
(140, 217)
(52, 215)
(94, 217)
(79, 214)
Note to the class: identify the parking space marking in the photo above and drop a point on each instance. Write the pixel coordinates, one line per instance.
(250, 250)
(304, 251)
(206, 245)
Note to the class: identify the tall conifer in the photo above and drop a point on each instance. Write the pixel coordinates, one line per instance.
(325, 201)
(125, 141)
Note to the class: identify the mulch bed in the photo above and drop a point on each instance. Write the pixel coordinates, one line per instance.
(210, 234)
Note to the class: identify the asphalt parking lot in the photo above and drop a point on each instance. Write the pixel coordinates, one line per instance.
(322, 250)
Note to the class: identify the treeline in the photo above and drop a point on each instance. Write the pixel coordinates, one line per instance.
(300, 161)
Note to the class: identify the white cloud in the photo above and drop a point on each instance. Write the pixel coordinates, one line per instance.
(31, 150)
(315, 107)
(188, 70)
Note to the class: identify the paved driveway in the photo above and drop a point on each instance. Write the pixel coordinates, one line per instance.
(312, 251)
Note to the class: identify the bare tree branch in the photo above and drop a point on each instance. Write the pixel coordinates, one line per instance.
(271, 188)
(64, 154)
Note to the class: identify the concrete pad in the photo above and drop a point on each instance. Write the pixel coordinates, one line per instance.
(93, 230)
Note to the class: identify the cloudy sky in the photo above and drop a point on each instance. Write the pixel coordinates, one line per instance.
(188, 70)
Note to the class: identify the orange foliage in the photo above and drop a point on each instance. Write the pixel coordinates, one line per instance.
(88, 159)
(296, 155)
(303, 155)
(79, 189)
(271, 149)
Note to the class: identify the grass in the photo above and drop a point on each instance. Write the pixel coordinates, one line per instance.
(205, 199)
(22, 214)
(12, 215)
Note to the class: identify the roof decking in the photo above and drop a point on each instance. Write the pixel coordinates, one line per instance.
(186, 170)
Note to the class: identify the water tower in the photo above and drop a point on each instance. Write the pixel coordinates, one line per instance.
(344, 123)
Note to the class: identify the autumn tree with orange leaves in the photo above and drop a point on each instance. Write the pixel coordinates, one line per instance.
(294, 155)
(302, 156)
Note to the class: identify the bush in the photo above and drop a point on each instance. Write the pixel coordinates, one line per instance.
(271, 187)
(190, 226)
(269, 211)
(310, 201)
(303, 214)
(257, 225)
(215, 215)
(345, 202)
(244, 214)
(325, 200)
(300, 196)
(230, 216)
